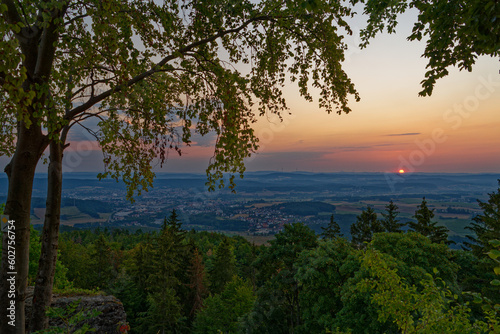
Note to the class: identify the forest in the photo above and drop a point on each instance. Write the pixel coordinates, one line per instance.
(383, 280)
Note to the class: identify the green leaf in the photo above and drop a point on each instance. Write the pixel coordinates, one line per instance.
(494, 243)
(478, 299)
(486, 307)
(494, 254)
(495, 282)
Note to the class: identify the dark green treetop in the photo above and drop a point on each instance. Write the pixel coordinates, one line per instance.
(425, 226)
(364, 227)
(390, 222)
(332, 230)
(486, 226)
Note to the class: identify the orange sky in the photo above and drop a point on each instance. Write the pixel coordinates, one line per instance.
(455, 130)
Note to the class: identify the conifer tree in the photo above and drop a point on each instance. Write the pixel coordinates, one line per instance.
(485, 226)
(425, 226)
(278, 308)
(101, 266)
(197, 282)
(142, 266)
(390, 222)
(423, 215)
(169, 253)
(223, 266)
(440, 235)
(332, 230)
(173, 222)
(366, 224)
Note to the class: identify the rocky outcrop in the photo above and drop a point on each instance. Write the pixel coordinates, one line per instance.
(108, 321)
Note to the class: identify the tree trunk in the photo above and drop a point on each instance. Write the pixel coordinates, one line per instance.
(20, 171)
(42, 297)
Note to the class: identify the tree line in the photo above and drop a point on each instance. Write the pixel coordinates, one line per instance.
(386, 279)
(367, 223)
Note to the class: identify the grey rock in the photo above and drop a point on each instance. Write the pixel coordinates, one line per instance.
(107, 322)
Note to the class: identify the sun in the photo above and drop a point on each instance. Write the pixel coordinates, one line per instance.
(401, 171)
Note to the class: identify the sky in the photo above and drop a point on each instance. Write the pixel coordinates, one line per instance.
(455, 130)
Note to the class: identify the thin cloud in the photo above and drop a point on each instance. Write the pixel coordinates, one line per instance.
(403, 134)
(207, 140)
(360, 147)
(291, 156)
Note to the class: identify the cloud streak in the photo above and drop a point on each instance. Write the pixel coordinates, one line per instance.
(355, 148)
(403, 134)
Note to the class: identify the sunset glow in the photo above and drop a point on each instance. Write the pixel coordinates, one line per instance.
(454, 130)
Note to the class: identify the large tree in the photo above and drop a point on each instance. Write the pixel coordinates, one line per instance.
(170, 260)
(332, 230)
(365, 226)
(486, 226)
(277, 308)
(390, 223)
(425, 226)
(149, 72)
(223, 266)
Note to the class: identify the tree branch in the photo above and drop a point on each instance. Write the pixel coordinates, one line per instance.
(78, 17)
(26, 21)
(11, 15)
(156, 68)
(48, 46)
(89, 130)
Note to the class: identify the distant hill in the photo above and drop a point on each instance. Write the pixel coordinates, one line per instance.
(345, 184)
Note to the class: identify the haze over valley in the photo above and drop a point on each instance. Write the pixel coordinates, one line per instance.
(265, 201)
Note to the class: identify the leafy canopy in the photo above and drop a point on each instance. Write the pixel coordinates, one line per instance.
(152, 73)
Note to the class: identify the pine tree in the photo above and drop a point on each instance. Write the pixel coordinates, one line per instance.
(425, 226)
(440, 235)
(390, 222)
(100, 263)
(169, 260)
(223, 266)
(197, 282)
(366, 224)
(142, 267)
(423, 215)
(332, 230)
(485, 226)
(173, 222)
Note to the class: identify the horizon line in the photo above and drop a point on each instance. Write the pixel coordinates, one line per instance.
(290, 172)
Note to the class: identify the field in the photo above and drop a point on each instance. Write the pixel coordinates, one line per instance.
(70, 215)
